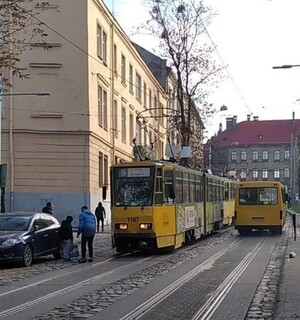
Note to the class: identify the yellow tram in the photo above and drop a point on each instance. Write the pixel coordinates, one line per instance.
(158, 204)
(260, 205)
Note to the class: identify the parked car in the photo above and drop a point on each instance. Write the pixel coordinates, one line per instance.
(25, 236)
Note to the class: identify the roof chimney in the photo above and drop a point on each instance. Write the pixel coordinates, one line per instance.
(234, 121)
(255, 118)
(229, 123)
(248, 117)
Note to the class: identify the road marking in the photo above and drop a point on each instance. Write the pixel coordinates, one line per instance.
(66, 290)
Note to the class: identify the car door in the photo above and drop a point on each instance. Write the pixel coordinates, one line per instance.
(53, 235)
(40, 236)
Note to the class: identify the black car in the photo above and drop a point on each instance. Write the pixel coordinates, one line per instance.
(25, 236)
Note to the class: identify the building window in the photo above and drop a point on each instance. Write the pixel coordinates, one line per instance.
(145, 135)
(265, 173)
(265, 155)
(115, 62)
(123, 68)
(255, 155)
(286, 172)
(104, 57)
(255, 174)
(243, 174)
(138, 86)
(101, 43)
(145, 95)
(233, 156)
(276, 155)
(105, 170)
(123, 120)
(150, 101)
(287, 154)
(101, 169)
(115, 117)
(102, 108)
(130, 78)
(276, 173)
(138, 134)
(243, 155)
(155, 107)
(131, 128)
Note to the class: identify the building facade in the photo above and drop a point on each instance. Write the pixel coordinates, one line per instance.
(257, 150)
(59, 148)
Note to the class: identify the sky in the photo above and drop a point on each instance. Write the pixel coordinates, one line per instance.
(251, 37)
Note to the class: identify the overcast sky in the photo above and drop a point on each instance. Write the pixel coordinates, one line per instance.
(252, 36)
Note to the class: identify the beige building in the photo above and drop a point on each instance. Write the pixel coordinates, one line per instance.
(59, 148)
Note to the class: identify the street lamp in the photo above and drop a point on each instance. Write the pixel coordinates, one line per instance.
(286, 66)
(25, 94)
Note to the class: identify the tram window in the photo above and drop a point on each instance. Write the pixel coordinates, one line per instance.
(169, 187)
(186, 189)
(192, 188)
(178, 187)
(198, 189)
(158, 187)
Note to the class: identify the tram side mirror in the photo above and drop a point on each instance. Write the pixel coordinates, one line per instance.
(104, 190)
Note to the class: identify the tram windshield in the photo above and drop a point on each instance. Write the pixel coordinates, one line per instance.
(133, 186)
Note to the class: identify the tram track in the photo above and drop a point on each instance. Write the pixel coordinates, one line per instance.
(160, 263)
(153, 306)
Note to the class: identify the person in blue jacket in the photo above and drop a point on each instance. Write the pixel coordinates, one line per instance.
(87, 230)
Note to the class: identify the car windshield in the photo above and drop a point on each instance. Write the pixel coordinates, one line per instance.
(14, 223)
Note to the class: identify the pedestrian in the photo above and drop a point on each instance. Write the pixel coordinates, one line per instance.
(87, 230)
(48, 208)
(100, 215)
(66, 234)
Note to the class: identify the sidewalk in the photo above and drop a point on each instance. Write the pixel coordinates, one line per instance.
(288, 300)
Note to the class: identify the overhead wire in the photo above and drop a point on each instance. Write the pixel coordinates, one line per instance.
(226, 67)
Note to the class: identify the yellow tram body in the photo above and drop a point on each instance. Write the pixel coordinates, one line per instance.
(158, 204)
(260, 205)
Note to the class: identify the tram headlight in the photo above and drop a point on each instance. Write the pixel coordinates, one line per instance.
(121, 226)
(145, 226)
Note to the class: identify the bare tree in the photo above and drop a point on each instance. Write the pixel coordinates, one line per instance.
(18, 30)
(179, 26)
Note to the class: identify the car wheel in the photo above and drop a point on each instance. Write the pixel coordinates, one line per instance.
(27, 256)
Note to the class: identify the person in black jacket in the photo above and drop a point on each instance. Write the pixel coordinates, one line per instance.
(48, 208)
(66, 234)
(100, 215)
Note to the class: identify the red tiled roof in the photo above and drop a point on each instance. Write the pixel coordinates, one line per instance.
(259, 132)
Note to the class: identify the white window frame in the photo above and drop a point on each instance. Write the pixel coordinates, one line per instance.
(233, 156)
(123, 68)
(123, 124)
(265, 155)
(130, 78)
(102, 107)
(138, 86)
(254, 155)
(276, 155)
(286, 172)
(287, 154)
(277, 173)
(265, 173)
(255, 173)
(244, 155)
